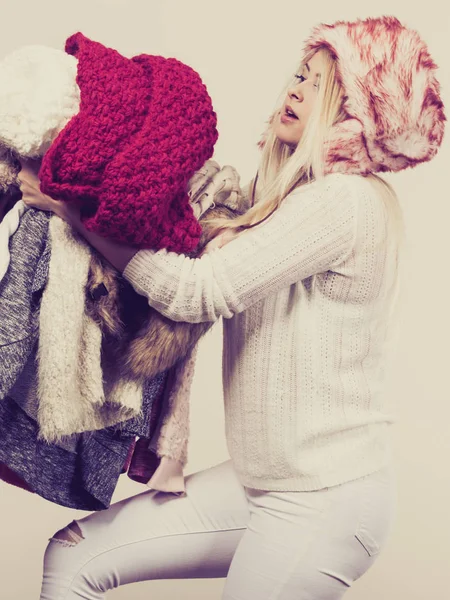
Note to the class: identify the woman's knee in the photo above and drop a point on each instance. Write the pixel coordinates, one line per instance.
(67, 567)
(71, 535)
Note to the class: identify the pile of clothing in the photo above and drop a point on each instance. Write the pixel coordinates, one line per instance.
(93, 381)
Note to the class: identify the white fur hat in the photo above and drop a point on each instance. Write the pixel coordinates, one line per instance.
(38, 96)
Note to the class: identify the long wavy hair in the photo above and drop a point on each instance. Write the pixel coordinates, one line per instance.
(283, 168)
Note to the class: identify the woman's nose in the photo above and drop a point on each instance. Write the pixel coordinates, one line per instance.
(295, 94)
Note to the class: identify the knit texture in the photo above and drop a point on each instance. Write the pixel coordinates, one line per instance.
(305, 298)
(76, 392)
(78, 470)
(145, 125)
(20, 290)
(171, 438)
(84, 478)
(83, 470)
(170, 441)
(143, 342)
(395, 115)
(159, 461)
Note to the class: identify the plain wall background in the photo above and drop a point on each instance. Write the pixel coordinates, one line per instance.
(244, 50)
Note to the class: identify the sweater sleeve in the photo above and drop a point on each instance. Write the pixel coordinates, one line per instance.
(311, 232)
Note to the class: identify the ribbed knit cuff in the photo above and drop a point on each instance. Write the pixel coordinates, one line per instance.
(137, 265)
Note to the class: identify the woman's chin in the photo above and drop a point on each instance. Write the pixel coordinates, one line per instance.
(287, 136)
(286, 139)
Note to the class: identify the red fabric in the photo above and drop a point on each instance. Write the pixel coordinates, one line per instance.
(145, 125)
(144, 461)
(10, 477)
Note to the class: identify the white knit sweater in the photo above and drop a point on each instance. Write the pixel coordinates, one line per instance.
(306, 298)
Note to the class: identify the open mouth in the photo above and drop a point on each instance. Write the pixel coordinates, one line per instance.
(288, 112)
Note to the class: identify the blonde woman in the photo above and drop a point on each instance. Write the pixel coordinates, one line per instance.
(306, 282)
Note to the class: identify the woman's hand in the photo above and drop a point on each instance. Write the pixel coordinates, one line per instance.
(118, 254)
(31, 193)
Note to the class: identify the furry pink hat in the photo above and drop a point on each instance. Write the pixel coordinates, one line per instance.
(391, 96)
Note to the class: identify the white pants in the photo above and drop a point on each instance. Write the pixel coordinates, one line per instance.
(269, 545)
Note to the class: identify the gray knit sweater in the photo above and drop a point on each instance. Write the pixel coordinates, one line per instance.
(81, 470)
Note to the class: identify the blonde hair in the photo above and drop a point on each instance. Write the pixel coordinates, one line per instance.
(283, 168)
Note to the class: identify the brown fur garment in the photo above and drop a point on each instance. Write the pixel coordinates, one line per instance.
(137, 338)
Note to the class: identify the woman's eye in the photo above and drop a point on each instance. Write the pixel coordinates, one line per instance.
(300, 77)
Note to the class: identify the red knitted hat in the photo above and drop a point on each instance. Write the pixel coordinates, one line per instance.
(144, 127)
(395, 115)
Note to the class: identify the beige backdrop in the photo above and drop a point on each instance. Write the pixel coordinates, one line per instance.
(244, 51)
